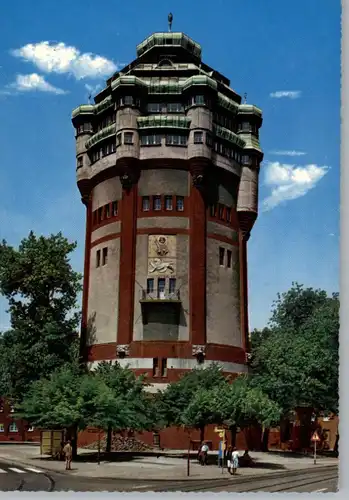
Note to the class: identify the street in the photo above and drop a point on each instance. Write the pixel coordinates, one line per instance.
(26, 478)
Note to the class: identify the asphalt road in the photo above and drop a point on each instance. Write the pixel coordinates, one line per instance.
(25, 478)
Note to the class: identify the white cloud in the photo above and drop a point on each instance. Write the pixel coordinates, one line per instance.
(33, 82)
(288, 153)
(61, 58)
(92, 89)
(291, 94)
(288, 182)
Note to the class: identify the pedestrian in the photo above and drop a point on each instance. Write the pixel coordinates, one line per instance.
(235, 460)
(229, 458)
(203, 453)
(68, 452)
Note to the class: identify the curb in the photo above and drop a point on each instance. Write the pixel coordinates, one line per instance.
(242, 479)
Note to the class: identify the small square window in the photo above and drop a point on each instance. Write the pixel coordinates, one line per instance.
(229, 258)
(100, 214)
(80, 161)
(154, 107)
(13, 427)
(161, 288)
(199, 99)
(180, 203)
(128, 138)
(245, 160)
(164, 367)
(107, 211)
(155, 367)
(172, 285)
(221, 256)
(30, 428)
(105, 256)
(228, 214)
(114, 208)
(2, 428)
(128, 100)
(198, 137)
(168, 203)
(12, 408)
(157, 202)
(245, 126)
(145, 203)
(98, 258)
(150, 285)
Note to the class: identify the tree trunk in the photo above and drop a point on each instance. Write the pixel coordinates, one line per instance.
(108, 441)
(265, 439)
(233, 435)
(202, 434)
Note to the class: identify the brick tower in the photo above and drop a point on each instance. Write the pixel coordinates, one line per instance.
(167, 165)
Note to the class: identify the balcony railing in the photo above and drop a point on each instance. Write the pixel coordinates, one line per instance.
(159, 295)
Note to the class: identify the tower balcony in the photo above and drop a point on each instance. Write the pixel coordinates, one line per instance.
(160, 304)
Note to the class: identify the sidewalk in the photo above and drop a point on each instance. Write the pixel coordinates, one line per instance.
(167, 466)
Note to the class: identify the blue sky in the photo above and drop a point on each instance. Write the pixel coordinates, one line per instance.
(284, 55)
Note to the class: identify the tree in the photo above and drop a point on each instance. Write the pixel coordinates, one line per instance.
(296, 362)
(178, 396)
(129, 390)
(71, 400)
(38, 281)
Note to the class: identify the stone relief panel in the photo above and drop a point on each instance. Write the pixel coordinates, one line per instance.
(161, 255)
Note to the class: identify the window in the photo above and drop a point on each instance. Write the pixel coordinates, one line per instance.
(107, 211)
(95, 155)
(128, 100)
(221, 256)
(150, 285)
(180, 203)
(154, 107)
(245, 160)
(13, 427)
(114, 208)
(172, 285)
(118, 139)
(145, 204)
(151, 140)
(30, 428)
(100, 214)
(128, 138)
(80, 161)
(105, 256)
(155, 367)
(209, 139)
(228, 214)
(174, 107)
(157, 203)
(161, 288)
(1, 406)
(12, 408)
(98, 258)
(2, 428)
(221, 212)
(198, 137)
(176, 140)
(213, 209)
(199, 99)
(245, 126)
(168, 203)
(164, 367)
(229, 258)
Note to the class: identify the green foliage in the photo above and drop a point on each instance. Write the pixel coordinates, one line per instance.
(41, 289)
(177, 396)
(296, 362)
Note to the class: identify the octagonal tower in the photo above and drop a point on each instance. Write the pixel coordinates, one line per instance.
(167, 165)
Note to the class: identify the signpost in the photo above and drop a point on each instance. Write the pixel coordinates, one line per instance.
(315, 439)
(222, 443)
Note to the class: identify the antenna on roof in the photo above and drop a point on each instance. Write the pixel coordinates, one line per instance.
(170, 19)
(245, 97)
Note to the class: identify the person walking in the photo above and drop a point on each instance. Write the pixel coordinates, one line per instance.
(203, 453)
(68, 452)
(235, 460)
(229, 458)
